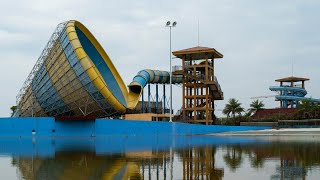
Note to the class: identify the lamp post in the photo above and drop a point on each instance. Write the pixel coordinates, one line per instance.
(168, 24)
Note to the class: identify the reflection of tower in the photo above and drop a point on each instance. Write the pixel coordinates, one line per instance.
(199, 163)
(290, 169)
(200, 86)
(150, 162)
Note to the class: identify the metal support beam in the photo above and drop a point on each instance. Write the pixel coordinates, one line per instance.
(149, 96)
(142, 102)
(164, 99)
(142, 169)
(149, 169)
(157, 97)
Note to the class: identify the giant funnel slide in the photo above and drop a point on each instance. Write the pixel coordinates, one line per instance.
(291, 94)
(74, 76)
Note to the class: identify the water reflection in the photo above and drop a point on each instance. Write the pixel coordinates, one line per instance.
(77, 166)
(233, 157)
(199, 163)
(265, 158)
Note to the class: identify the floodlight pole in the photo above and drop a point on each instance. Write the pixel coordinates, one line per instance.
(170, 26)
(170, 80)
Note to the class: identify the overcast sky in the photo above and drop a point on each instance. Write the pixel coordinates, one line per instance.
(259, 40)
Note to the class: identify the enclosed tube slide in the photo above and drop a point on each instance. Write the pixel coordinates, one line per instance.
(145, 77)
(293, 94)
(74, 76)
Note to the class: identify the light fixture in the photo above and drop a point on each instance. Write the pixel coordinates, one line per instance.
(174, 23)
(168, 23)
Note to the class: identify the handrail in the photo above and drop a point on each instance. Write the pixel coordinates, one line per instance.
(176, 68)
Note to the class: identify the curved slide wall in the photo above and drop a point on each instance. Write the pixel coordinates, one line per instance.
(293, 94)
(77, 77)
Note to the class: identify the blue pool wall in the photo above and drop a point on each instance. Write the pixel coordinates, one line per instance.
(48, 127)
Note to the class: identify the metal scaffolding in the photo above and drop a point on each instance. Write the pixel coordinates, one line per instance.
(54, 37)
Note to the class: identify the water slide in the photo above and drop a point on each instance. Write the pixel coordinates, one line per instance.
(145, 77)
(293, 94)
(74, 76)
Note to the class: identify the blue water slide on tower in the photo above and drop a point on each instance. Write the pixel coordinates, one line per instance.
(291, 94)
(145, 77)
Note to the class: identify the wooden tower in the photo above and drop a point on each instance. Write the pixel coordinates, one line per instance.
(200, 87)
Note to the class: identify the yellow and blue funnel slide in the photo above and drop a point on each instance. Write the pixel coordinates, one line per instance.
(78, 78)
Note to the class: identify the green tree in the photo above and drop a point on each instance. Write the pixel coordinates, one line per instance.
(255, 106)
(13, 109)
(308, 109)
(233, 107)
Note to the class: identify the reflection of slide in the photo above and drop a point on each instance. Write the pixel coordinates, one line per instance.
(74, 76)
(123, 170)
(77, 166)
(291, 94)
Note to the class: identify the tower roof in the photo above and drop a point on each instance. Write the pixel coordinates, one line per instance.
(198, 52)
(292, 79)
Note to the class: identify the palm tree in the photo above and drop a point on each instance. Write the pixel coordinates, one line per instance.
(255, 106)
(233, 107)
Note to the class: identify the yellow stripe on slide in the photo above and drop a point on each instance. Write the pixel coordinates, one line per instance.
(164, 76)
(105, 57)
(90, 68)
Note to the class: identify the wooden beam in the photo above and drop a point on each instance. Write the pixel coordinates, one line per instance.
(207, 108)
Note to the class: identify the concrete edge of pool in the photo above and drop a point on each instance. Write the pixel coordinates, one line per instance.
(274, 132)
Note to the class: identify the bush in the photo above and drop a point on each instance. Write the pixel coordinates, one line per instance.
(232, 121)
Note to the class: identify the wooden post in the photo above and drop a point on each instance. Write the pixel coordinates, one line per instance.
(212, 68)
(206, 69)
(207, 110)
(194, 95)
(201, 101)
(183, 89)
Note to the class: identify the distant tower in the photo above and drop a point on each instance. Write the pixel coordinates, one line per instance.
(200, 87)
(291, 91)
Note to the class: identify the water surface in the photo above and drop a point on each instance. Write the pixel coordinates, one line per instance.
(197, 157)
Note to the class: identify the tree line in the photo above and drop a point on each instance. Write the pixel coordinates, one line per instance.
(235, 113)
